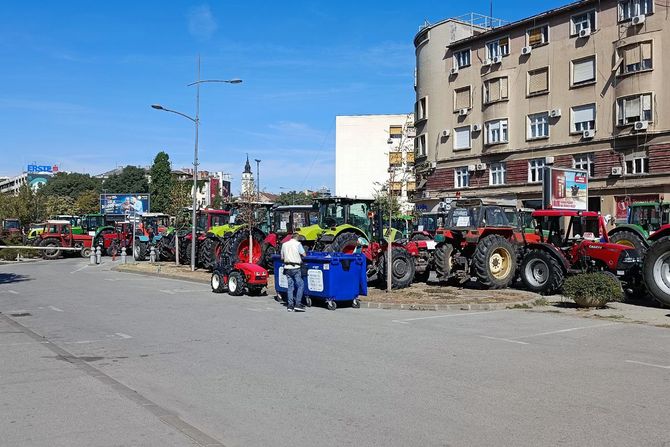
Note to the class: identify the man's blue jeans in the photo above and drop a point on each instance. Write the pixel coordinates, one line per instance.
(294, 278)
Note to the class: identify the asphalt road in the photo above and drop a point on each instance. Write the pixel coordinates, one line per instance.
(92, 357)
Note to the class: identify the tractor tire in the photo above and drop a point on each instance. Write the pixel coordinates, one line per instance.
(442, 261)
(402, 268)
(217, 283)
(140, 253)
(494, 262)
(422, 276)
(86, 252)
(185, 252)
(630, 239)
(656, 271)
(206, 253)
(419, 237)
(239, 246)
(165, 247)
(236, 284)
(53, 253)
(268, 251)
(542, 273)
(343, 243)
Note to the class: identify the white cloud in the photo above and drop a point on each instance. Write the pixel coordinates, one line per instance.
(201, 22)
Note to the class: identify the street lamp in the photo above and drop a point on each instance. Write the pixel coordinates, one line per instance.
(196, 121)
(258, 179)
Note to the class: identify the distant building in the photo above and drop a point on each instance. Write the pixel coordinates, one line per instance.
(373, 153)
(35, 176)
(248, 186)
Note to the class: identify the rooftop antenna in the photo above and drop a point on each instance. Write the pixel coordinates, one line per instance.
(491, 13)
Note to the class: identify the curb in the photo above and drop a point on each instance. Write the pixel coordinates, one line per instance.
(444, 307)
(158, 274)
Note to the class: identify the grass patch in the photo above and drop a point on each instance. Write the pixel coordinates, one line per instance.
(520, 306)
(541, 302)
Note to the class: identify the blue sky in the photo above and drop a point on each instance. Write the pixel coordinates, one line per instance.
(78, 78)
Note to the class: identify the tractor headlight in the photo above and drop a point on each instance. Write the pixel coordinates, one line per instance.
(629, 257)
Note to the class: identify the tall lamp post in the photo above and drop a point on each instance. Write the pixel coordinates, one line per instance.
(195, 121)
(258, 179)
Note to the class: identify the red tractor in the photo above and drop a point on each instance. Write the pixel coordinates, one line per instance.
(574, 242)
(237, 278)
(111, 242)
(58, 234)
(656, 267)
(206, 242)
(11, 229)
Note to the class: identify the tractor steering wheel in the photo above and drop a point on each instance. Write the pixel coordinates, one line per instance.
(330, 222)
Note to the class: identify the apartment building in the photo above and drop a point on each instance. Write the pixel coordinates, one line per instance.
(579, 86)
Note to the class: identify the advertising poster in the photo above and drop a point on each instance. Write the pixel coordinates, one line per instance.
(36, 181)
(124, 203)
(213, 189)
(622, 203)
(566, 189)
(225, 189)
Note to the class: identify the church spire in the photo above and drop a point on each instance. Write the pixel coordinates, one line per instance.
(247, 167)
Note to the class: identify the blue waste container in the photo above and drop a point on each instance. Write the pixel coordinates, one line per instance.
(330, 277)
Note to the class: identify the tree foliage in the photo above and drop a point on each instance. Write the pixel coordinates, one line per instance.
(131, 180)
(87, 203)
(26, 206)
(161, 182)
(70, 185)
(56, 205)
(180, 198)
(295, 198)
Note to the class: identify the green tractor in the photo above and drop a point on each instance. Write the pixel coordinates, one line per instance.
(644, 218)
(88, 224)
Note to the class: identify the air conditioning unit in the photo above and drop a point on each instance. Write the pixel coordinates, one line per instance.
(463, 112)
(588, 134)
(641, 125)
(617, 170)
(555, 113)
(486, 62)
(549, 160)
(497, 60)
(433, 164)
(638, 20)
(526, 50)
(445, 133)
(476, 127)
(480, 167)
(585, 32)
(454, 71)
(472, 168)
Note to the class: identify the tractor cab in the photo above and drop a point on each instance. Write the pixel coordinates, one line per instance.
(563, 228)
(11, 226)
(473, 214)
(207, 219)
(153, 224)
(429, 223)
(89, 223)
(649, 216)
(289, 218)
(75, 221)
(262, 216)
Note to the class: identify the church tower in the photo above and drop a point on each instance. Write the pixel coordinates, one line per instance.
(247, 179)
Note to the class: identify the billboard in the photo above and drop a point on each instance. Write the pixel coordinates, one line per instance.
(565, 189)
(36, 181)
(225, 189)
(43, 168)
(622, 203)
(124, 203)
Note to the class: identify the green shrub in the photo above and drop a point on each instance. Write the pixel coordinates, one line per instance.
(593, 289)
(9, 254)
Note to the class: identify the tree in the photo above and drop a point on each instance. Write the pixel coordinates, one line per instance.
(217, 201)
(70, 185)
(131, 180)
(161, 182)
(295, 198)
(180, 199)
(87, 203)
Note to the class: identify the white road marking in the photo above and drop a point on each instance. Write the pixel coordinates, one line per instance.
(505, 339)
(648, 364)
(405, 320)
(13, 292)
(174, 291)
(81, 342)
(79, 269)
(25, 343)
(54, 308)
(562, 331)
(122, 335)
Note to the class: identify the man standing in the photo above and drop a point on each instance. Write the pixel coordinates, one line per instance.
(292, 253)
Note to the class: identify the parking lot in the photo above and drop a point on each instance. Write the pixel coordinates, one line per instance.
(155, 361)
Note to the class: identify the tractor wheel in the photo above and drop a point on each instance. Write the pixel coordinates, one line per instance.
(206, 253)
(422, 276)
(140, 253)
(402, 268)
(239, 246)
(656, 270)
(494, 262)
(268, 251)
(236, 284)
(86, 252)
(419, 237)
(185, 252)
(217, 283)
(630, 239)
(443, 261)
(542, 273)
(343, 243)
(51, 253)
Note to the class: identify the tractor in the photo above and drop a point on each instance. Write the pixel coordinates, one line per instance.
(644, 218)
(478, 242)
(59, 234)
(285, 220)
(149, 230)
(205, 220)
(11, 229)
(656, 267)
(87, 224)
(236, 278)
(575, 242)
(111, 242)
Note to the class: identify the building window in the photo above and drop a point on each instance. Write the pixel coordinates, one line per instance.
(583, 21)
(538, 125)
(538, 81)
(497, 174)
(637, 163)
(462, 138)
(461, 177)
(635, 57)
(537, 36)
(421, 109)
(535, 170)
(497, 48)
(633, 108)
(583, 118)
(496, 132)
(584, 71)
(420, 145)
(462, 99)
(462, 58)
(495, 90)
(585, 163)
(395, 131)
(631, 8)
